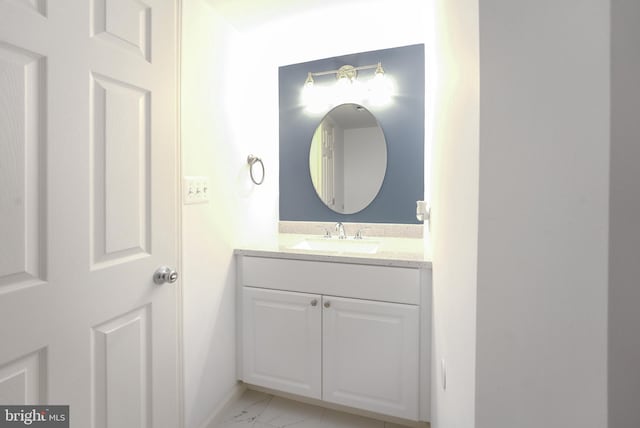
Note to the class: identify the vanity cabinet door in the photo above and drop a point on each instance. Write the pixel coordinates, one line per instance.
(282, 340)
(370, 355)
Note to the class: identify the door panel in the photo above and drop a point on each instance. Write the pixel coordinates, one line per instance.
(23, 380)
(121, 371)
(124, 23)
(121, 184)
(381, 340)
(88, 208)
(282, 340)
(22, 192)
(38, 6)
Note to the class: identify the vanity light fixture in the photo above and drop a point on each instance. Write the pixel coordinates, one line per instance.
(347, 88)
(309, 81)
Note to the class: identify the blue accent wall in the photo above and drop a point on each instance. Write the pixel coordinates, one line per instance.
(402, 123)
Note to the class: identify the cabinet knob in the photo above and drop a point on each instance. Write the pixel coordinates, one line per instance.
(327, 304)
(314, 302)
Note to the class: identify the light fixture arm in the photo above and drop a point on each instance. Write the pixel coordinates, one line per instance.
(348, 71)
(377, 91)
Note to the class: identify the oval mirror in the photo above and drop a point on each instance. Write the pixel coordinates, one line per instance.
(348, 158)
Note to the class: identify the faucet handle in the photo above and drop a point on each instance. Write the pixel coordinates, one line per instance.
(327, 233)
(358, 234)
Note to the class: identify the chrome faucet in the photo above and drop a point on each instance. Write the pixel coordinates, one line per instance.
(340, 230)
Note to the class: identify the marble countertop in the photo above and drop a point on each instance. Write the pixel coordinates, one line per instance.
(402, 252)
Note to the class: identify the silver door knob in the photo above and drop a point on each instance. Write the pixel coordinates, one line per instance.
(165, 274)
(314, 302)
(327, 304)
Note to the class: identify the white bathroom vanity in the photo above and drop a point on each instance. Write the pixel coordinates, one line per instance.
(345, 329)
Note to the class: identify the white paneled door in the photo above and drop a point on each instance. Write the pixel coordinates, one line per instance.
(88, 209)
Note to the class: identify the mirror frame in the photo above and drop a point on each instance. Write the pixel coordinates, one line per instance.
(403, 126)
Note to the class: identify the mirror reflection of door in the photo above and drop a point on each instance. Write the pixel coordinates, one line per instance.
(348, 158)
(321, 163)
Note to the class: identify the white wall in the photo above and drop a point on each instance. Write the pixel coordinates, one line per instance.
(362, 179)
(216, 113)
(624, 240)
(208, 300)
(543, 214)
(364, 26)
(452, 88)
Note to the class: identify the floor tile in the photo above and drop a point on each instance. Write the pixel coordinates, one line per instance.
(334, 419)
(245, 411)
(258, 410)
(246, 424)
(282, 413)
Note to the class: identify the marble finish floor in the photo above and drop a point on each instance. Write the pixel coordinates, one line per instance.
(259, 410)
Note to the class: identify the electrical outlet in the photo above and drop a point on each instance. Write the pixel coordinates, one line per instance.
(443, 372)
(195, 190)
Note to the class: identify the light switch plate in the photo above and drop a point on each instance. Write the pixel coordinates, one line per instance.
(195, 190)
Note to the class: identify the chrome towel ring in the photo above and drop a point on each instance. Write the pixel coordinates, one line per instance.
(252, 160)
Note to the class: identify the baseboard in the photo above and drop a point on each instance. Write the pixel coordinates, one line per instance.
(346, 409)
(233, 396)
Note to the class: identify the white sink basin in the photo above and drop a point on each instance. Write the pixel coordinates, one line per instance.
(363, 246)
